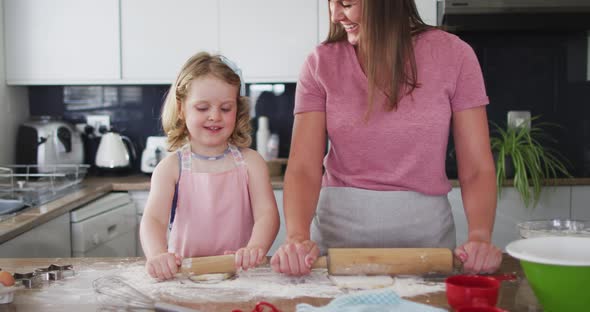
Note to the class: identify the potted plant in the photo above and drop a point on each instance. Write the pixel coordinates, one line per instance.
(520, 149)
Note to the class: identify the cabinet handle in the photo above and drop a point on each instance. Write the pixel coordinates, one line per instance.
(111, 229)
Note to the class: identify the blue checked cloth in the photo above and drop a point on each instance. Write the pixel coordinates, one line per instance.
(373, 300)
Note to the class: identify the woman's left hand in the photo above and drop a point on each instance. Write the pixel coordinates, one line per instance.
(479, 257)
(249, 257)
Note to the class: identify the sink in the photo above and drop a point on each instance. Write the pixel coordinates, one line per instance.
(10, 205)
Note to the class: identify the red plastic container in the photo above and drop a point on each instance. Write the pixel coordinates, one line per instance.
(465, 291)
(480, 309)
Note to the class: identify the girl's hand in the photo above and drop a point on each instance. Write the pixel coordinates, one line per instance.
(249, 257)
(163, 266)
(295, 257)
(479, 257)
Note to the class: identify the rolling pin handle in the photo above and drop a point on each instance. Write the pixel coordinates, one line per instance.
(320, 263)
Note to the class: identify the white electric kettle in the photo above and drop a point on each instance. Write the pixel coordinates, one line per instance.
(114, 152)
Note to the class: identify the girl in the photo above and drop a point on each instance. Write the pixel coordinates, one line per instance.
(214, 192)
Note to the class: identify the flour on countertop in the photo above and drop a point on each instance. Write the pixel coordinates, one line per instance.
(362, 282)
(252, 284)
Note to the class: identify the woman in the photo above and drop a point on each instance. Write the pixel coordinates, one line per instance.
(387, 89)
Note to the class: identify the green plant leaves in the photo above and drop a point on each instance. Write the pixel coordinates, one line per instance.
(533, 162)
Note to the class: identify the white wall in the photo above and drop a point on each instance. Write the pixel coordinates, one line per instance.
(14, 106)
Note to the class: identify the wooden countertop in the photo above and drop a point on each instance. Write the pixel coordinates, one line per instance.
(96, 186)
(142, 182)
(515, 296)
(29, 218)
(90, 189)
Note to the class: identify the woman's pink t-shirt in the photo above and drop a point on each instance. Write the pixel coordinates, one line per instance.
(396, 150)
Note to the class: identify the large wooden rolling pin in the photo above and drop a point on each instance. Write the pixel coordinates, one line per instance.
(350, 261)
(386, 261)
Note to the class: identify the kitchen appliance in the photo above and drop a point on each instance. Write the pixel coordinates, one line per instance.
(115, 152)
(155, 150)
(105, 227)
(48, 141)
(514, 14)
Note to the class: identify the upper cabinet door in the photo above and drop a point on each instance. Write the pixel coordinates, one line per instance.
(268, 39)
(158, 36)
(323, 20)
(427, 11)
(61, 41)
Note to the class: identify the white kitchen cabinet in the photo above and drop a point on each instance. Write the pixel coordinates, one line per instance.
(61, 41)
(268, 39)
(458, 215)
(139, 198)
(426, 9)
(48, 240)
(323, 20)
(555, 202)
(282, 234)
(105, 227)
(158, 36)
(580, 203)
(68, 42)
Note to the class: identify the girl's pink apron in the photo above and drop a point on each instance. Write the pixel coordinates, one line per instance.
(212, 212)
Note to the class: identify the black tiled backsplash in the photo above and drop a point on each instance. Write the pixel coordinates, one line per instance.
(544, 73)
(135, 111)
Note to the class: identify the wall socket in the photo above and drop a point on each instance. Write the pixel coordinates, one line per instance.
(96, 121)
(519, 119)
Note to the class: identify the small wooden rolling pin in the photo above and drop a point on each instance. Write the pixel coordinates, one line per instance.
(350, 261)
(208, 265)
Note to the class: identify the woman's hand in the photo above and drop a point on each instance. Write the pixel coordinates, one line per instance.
(249, 257)
(163, 266)
(479, 257)
(295, 257)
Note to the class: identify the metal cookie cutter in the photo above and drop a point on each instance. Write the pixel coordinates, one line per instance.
(65, 270)
(55, 272)
(29, 280)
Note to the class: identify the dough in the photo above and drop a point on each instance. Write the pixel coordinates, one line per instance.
(211, 278)
(362, 282)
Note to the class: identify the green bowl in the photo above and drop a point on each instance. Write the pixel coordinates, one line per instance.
(558, 270)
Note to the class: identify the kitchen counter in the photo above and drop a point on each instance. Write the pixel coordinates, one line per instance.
(90, 189)
(142, 182)
(96, 186)
(75, 293)
(29, 218)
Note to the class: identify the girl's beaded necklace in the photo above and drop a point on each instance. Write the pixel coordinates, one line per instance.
(218, 157)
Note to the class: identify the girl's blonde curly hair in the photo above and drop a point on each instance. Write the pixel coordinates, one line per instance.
(199, 65)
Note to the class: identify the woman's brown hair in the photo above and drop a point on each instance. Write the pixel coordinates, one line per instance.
(386, 48)
(199, 65)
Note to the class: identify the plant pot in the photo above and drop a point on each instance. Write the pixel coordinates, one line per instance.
(508, 166)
